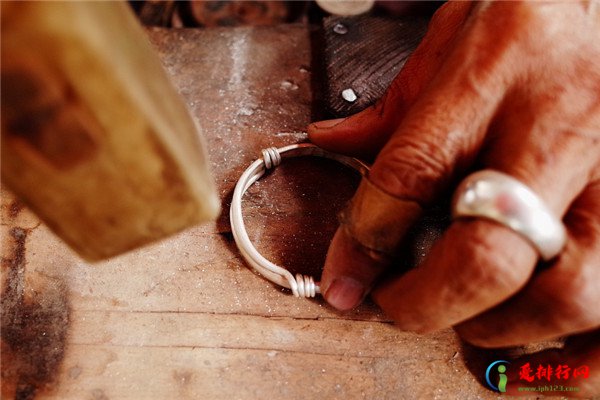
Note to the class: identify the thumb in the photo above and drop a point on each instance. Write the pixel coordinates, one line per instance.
(365, 133)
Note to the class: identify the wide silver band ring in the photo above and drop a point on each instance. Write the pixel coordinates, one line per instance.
(501, 198)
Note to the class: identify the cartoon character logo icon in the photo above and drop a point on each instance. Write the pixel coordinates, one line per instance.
(497, 368)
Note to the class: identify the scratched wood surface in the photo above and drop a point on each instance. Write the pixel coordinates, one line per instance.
(185, 318)
(365, 53)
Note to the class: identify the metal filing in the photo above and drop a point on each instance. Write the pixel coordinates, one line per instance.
(349, 95)
(340, 29)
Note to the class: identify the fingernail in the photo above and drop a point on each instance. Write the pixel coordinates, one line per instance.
(328, 123)
(345, 293)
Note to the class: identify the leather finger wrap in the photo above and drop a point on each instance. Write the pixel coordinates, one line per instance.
(377, 220)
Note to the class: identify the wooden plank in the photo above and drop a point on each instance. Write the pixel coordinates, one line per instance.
(247, 357)
(364, 54)
(94, 137)
(279, 333)
(188, 373)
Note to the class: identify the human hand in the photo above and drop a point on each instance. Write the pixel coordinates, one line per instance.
(509, 86)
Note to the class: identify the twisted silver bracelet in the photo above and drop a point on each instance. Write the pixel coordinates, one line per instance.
(300, 285)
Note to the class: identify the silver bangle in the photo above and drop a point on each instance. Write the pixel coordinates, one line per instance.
(301, 285)
(501, 198)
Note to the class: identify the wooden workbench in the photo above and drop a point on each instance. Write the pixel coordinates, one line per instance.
(185, 318)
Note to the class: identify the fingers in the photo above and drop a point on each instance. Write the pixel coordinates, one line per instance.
(349, 272)
(371, 228)
(559, 300)
(465, 273)
(441, 135)
(365, 133)
(478, 264)
(539, 135)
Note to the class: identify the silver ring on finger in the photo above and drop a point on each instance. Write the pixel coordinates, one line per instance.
(501, 198)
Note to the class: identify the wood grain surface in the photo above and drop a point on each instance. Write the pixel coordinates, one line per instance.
(185, 318)
(364, 54)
